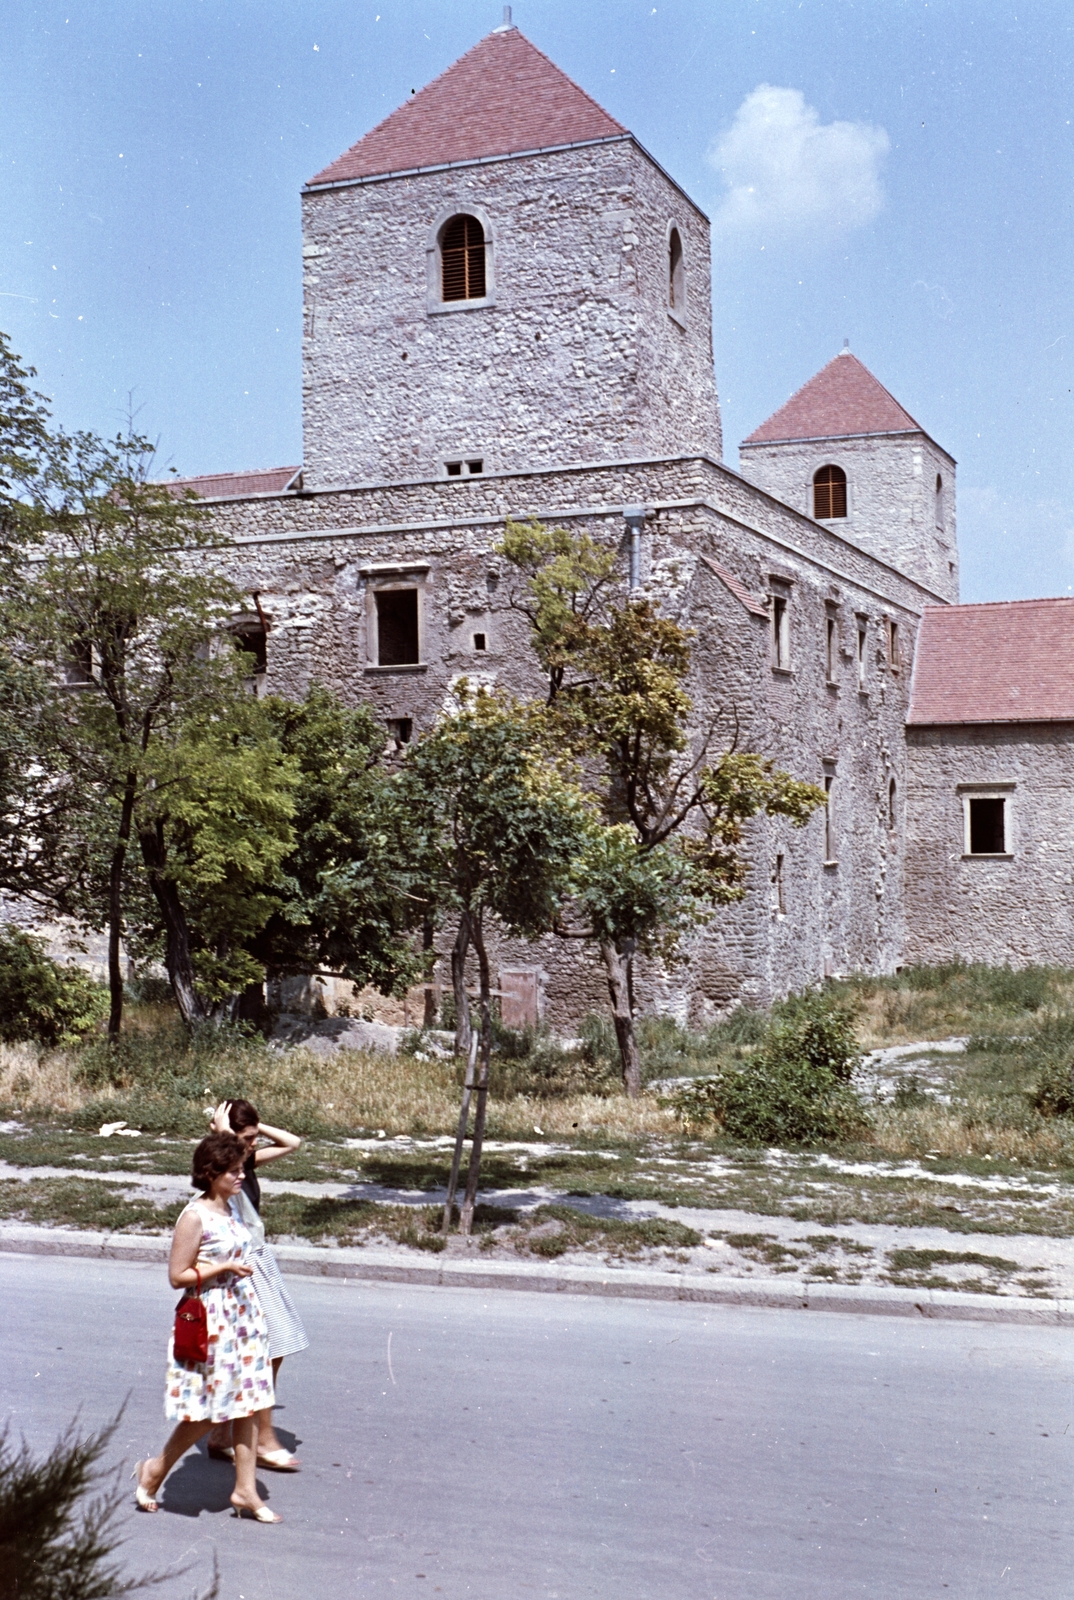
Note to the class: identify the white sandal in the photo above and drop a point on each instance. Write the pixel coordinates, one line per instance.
(278, 1460)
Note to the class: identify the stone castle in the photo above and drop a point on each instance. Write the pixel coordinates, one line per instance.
(508, 313)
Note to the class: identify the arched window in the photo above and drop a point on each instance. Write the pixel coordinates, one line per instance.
(676, 276)
(462, 259)
(829, 493)
(939, 501)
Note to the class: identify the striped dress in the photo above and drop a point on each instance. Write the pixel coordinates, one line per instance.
(287, 1336)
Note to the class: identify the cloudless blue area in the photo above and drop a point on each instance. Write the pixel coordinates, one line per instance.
(151, 157)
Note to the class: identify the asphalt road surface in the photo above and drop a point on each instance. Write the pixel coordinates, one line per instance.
(503, 1446)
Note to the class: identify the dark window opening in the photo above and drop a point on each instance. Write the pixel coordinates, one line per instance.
(474, 467)
(829, 494)
(894, 658)
(676, 282)
(397, 627)
(462, 260)
(480, 641)
(861, 656)
(254, 645)
(891, 804)
(988, 833)
(400, 730)
(781, 898)
(78, 668)
(454, 469)
(832, 640)
(780, 632)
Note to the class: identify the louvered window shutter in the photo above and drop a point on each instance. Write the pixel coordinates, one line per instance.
(462, 255)
(829, 494)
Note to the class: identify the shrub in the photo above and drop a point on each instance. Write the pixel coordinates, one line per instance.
(42, 1000)
(796, 1089)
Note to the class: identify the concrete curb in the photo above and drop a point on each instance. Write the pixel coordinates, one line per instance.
(396, 1266)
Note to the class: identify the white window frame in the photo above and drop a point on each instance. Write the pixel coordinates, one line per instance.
(988, 791)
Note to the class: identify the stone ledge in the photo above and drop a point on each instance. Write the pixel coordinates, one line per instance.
(396, 1266)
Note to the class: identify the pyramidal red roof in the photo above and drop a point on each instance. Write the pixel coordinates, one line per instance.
(1005, 661)
(502, 96)
(844, 398)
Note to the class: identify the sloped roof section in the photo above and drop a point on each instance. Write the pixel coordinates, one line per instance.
(842, 399)
(1010, 661)
(502, 96)
(753, 605)
(237, 485)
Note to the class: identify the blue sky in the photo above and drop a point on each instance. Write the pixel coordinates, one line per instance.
(895, 172)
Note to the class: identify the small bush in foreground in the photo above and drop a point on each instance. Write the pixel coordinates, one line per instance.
(796, 1089)
(41, 1000)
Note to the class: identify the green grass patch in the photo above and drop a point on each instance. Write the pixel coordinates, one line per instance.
(71, 1203)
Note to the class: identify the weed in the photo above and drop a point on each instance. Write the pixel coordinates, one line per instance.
(71, 1203)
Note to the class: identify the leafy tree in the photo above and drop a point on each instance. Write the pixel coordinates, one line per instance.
(617, 697)
(51, 1546)
(23, 435)
(343, 904)
(48, 1001)
(495, 832)
(121, 613)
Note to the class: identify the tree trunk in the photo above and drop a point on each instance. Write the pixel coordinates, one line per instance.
(115, 907)
(466, 1215)
(463, 1029)
(619, 990)
(460, 1135)
(429, 1017)
(177, 958)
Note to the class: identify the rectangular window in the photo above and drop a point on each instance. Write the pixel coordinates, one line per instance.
(781, 632)
(400, 731)
(397, 627)
(777, 878)
(829, 827)
(474, 467)
(480, 641)
(78, 668)
(831, 648)
(253, 643)
(894, 661)
(862, 635)
(986, 825)
(453, 469)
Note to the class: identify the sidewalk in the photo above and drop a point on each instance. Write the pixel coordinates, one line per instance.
(373, 1264)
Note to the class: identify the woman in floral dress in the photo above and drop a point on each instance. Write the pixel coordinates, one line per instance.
(236, 1380)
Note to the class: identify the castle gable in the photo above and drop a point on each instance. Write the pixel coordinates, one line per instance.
(842, 400)
(502, 97)
(1006, 661)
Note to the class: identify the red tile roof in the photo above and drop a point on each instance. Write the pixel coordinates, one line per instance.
(751, 602)
(844, 398)
(235, 485)
(1010, 661)
(502, 96)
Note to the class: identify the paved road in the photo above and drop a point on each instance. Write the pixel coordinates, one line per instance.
(515, 1445)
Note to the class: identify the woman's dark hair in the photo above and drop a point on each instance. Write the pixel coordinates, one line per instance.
(217, 1154)
(242, 1115)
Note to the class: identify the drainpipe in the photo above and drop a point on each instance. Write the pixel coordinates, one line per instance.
(634, 517)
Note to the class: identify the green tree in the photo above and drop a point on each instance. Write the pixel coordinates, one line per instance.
(48, 1001)
(121, 613)
(617, 696)
(495, 833)
(344, 905)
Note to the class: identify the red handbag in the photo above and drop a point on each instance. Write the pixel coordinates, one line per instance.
(191, 1341)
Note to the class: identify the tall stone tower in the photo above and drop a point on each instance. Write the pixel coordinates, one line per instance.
(844, 451)
(498, 277)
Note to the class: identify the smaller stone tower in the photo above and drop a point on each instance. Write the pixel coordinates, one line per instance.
(845, 452)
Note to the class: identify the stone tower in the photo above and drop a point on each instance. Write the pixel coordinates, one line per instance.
(499, 277)
(844, 451)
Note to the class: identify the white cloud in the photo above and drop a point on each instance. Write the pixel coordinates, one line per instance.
(788, 173)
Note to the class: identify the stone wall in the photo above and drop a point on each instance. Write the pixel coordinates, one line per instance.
(316, 560)
(893, 507)
(1018, 907)
(572, 355)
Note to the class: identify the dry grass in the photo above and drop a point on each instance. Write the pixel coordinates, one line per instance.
(970, 1129)
(30, 1077)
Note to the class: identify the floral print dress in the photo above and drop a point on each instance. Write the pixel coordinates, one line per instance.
(236, 1380)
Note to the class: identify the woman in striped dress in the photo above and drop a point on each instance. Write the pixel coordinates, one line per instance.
(287, 1336)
